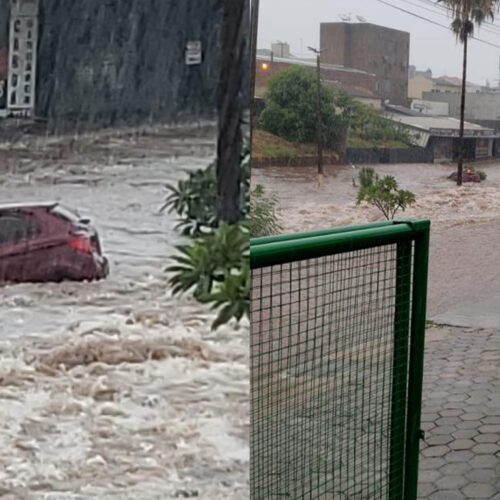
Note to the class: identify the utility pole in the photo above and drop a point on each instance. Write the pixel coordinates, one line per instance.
(319, 126)
(254, 28)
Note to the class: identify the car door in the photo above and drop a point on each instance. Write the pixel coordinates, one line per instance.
(16, 230)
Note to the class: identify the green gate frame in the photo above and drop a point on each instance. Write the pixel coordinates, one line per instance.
(407, 387)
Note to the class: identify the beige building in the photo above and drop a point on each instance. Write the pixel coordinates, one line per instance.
(417, 85)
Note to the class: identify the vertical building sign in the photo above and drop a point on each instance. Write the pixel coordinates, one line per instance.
(23, 37)
(4, 53)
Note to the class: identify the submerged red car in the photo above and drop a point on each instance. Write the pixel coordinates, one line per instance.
(42, 242)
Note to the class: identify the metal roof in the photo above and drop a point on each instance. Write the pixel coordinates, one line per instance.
(311, 64)
(43, 204)
(438, 123)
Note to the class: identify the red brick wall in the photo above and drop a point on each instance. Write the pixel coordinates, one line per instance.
(370, 48)
(348, 78)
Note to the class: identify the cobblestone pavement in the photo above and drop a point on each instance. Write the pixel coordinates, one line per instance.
(460, 457)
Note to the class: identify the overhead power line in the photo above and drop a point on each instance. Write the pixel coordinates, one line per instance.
(487, 25)
(434, 22)
(490, 28)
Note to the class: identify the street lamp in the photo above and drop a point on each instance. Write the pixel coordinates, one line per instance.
(319, 127)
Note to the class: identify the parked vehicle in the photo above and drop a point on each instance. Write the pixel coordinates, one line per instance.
(42, 242)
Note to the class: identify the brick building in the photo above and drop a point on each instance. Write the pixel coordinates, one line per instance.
(382, 51)
(359, 84)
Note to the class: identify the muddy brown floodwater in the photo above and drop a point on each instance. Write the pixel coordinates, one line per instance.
(465, 235)
(117, 389)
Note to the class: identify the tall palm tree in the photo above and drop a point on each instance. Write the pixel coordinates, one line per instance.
(466, 15)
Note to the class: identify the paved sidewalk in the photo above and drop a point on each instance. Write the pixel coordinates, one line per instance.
(460, 457)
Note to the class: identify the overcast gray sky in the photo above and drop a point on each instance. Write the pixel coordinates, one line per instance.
(297, 22)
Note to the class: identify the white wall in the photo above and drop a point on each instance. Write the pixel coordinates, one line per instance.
(430, 107)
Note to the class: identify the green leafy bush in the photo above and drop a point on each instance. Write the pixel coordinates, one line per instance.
(291, 108)
(385, 195)
(214, 267)
(366, 124)
(367, 177)
(195, 199)
(263, 213)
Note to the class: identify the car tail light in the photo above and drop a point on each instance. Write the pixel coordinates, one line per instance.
(81, 244)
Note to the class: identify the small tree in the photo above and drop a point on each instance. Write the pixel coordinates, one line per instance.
(290, 108)
(367, 177)
(385, 195)
(264, 213)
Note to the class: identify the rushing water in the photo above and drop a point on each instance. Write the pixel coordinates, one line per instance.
(464, 234)
(116, 389)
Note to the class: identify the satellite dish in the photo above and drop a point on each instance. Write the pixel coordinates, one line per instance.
(345, 17)
(361, 19)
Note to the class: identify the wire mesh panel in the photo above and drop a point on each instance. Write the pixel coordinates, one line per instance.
(330, 351)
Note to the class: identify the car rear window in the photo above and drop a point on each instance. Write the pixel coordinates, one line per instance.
(16, 228)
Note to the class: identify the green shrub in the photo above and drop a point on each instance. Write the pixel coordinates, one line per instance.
(195, 199)
(367, 177)
(482, 175)
(263, 213)
(215, 268)
(214, 265)
(385, 195)
(366, 124)
(291, 108)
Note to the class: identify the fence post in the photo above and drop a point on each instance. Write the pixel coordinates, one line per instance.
(417, 344)
(399, 369)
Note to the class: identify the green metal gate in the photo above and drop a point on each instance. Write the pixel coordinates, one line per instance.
(337, 341)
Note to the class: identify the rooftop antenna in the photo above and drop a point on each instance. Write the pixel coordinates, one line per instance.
(361, 19)
(345, 17)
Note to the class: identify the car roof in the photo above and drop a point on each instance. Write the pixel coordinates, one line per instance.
(14, 206)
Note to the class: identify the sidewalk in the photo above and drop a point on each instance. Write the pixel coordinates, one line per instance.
(460, 458)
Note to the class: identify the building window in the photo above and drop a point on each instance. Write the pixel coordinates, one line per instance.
(16, 43)
(29, 45)
(17, 26)
(30, 34)
(14, 80)
(27, 99)
(30, 23)
(29, 66)
(27, 77)
(29, 56)
(27, 89)
(13, 98)
(15, 61)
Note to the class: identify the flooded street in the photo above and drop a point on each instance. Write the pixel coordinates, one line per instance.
(465, 235)
(116, 389)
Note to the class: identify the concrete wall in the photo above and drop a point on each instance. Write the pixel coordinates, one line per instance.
(375, 49)
(388, 155)
(111, 62)
(431, 108)
(418, 85)
(478, 106)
